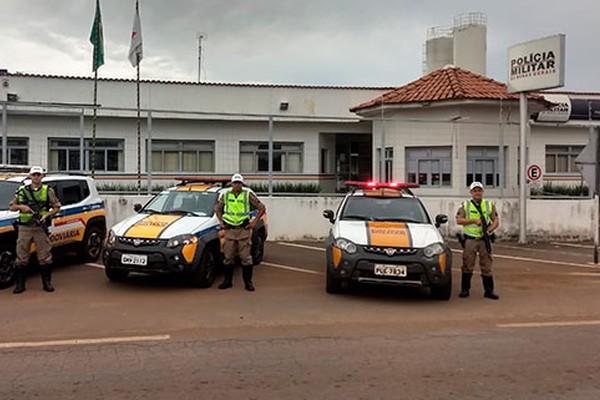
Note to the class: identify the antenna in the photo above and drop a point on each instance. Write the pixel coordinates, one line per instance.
(201, 37)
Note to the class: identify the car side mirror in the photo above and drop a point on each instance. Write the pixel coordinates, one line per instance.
(137, 207)
(440, 219)
(329, 215)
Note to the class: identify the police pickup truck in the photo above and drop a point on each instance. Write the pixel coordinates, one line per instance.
(80, 225)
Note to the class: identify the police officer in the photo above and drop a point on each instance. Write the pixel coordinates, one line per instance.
(233, 211)
(470, 215)
(36, 203)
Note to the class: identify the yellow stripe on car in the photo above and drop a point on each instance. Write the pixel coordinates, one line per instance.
(391, 234)
(152, 226)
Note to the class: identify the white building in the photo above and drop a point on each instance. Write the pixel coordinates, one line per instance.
(442, 131)
(206, 129)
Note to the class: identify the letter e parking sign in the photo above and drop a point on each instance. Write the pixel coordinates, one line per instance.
(534, 173)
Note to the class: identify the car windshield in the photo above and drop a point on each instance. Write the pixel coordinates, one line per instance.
(7, 192)
(401, 209)
(196, 203)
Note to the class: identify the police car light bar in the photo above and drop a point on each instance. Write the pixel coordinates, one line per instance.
(183, 180)
(379, 185)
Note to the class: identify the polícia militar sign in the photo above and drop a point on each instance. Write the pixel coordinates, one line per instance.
(537, 64)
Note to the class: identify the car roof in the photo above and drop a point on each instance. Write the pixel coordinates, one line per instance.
(50, 177)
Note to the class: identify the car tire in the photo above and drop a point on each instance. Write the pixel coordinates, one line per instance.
(258, 248)
(443, 292)
(333, 284)
(115, 275)
(204, 276)
(7, 267)
(91, 246)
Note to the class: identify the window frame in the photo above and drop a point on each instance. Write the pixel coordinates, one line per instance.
(571, 154)
(431, 159)
(257, 153)
(73, 150)
(181, 147)
(10, 147)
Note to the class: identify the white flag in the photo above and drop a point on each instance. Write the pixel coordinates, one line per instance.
(136, 51)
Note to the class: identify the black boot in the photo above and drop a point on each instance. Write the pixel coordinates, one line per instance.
(465, 284)
(19, 280)
(46, 279)
(488, 287)
(228, 277)
(247, 274)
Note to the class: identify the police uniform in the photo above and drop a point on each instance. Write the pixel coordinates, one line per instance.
(475, 244)
(40, 200)
(235, 213)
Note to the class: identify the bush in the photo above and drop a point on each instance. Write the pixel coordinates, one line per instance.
(550, 189)
(129, 188)
(286, 188)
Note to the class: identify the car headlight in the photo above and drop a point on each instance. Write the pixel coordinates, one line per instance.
(182, 240)
(112, 237)
(346, 245)
(433, 250)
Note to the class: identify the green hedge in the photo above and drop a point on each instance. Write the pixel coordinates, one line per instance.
(115, 187)
(550, 189)
(286, 188)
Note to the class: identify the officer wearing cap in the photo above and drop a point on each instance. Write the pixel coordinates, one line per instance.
(233, 211)
(36, 204)
(475, 214)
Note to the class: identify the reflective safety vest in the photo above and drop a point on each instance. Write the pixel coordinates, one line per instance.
(40, 204)
(236, 209)
(471, 212)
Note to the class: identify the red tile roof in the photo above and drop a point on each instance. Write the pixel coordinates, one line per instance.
(448, 83)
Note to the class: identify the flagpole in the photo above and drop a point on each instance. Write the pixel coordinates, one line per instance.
(93, 157)
(139, 135)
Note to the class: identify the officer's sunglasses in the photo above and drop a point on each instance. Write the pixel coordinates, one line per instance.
(36, 174)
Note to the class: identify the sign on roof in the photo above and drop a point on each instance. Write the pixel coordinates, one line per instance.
(538, 64)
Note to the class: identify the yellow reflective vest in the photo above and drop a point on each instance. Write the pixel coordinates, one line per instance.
(471, 212)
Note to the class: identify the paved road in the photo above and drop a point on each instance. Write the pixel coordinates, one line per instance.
(156, 338)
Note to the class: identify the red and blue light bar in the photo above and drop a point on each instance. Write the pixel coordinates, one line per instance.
(380, 185)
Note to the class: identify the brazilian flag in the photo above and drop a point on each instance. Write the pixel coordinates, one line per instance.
(97, 39)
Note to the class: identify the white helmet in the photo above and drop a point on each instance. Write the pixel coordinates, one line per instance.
(237, 178)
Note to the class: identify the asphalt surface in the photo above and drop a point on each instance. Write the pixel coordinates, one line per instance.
(158, 338)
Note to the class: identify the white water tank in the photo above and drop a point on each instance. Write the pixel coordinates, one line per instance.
(463, 45)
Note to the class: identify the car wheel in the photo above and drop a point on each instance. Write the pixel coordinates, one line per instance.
(333, 284)
(116, 275)
(7, 267)
(91, 247)
(442, 292)
(258, 248)
(205, 273)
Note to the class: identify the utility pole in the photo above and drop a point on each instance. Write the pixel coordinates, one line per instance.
(200, 38)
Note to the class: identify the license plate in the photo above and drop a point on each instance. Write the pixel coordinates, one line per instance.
(134, 259)
(390, 270)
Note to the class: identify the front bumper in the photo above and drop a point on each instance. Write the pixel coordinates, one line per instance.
(160, 258)
(420, 270)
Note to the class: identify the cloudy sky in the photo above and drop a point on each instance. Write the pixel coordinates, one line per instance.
(313, 42)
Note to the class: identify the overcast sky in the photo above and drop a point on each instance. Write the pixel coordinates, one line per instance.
(313, 42)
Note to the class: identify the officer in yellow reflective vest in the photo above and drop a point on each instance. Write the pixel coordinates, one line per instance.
(233, 211)
(475, 215)
(36, 203)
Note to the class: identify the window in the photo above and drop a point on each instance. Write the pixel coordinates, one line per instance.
(70, 192)
(183, 156)
(561, 159)
(429, 167)
(483, 166)
(65, 155)
(17, 151)
(324, 161)
(389, 163)
(287, 157)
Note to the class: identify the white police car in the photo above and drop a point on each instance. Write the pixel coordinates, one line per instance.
(176, 232)
(383, 234)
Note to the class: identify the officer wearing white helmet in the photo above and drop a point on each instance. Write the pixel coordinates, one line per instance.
(479, 219)
(234, 213)
(36, 204)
